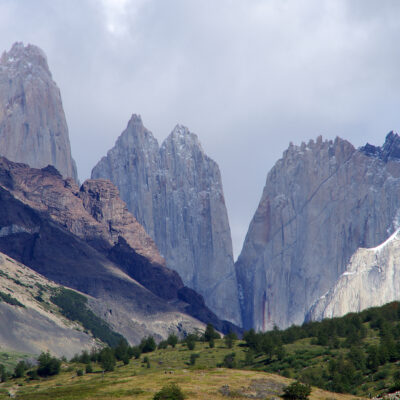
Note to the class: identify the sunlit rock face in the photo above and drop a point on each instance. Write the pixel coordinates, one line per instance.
(175, 192)
(33, 129)
(321, 202)
(372, 278)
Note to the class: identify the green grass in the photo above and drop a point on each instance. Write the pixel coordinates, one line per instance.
(136, 381)
(10, 358)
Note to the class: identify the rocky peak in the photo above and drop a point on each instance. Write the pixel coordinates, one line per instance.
(23, 59)
(321, 202)
(175, 192)
(389, 151)
(33, 128)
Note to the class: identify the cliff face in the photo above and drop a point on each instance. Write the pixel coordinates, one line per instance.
(175, 192)
(372, 278)
(86, 239)
(33, 128)
(321, 202)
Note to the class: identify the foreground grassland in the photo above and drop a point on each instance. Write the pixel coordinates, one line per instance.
(136, 381)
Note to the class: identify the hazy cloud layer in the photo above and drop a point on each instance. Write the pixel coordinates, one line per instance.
(247, 76)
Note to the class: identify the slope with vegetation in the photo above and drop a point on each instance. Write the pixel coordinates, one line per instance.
(358, 354)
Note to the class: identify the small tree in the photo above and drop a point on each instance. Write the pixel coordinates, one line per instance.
(48, 365)
(230, 361)
(20, 369)
(3, 373)
(170, 392)
(89, 368)
(193, 358)
(210, 333)
(121, 351)
(107, 359)
(297, 391)
(172, 340)
(230, 339)
(147, 345)
(212, 343)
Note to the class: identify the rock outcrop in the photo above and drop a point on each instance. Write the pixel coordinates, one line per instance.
(371, 279)
(321, 202)
(86, 239)
(175, 192)
(33, 128)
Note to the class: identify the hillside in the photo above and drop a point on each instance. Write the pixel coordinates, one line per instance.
(202, 381)
(29, 321)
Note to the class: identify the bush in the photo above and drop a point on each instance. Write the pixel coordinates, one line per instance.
(134, 352)
(172, 340)
(163, 345)
(170, 392)
(107, 359)
(229, 361)
(48, 365)
(79, 372)
(147, 345)
(297, 391)
(10, 300)
(193, 358)
(20, 369)
(210, 333)
(89, 369)
(230, 339)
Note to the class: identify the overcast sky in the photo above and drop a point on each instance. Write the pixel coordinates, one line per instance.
(246, 76)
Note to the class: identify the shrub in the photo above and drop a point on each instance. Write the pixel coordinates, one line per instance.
(170, 392)
(230, 339)
(89, 369)
(107, 359)
(20, 369)
(163, 345)
(172, 340)
(193, 358)
(147, 345)
(79, 372)
(48, 365)
(134, 352)
(10, 300)
(210, 333)
(229, 361)
(297, 391)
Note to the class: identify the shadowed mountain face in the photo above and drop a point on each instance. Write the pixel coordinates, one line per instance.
(86, 239)
(33, 128)
(175, 192)
(321, 202)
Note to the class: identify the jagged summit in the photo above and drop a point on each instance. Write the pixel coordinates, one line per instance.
(24, 57)
(33, 129)
(175, 192)
(389, 151)
(321, 202)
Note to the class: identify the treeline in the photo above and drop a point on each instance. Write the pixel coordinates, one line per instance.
(74, 307)
(354, 347)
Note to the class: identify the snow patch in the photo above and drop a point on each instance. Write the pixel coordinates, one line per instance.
(386, 242)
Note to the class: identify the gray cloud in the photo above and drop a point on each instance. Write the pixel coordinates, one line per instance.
(247, 76)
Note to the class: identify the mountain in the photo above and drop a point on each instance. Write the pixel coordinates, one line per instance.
(33, 128)
(321, 202)
(175, 192)
(29, 322)
(86, 239)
